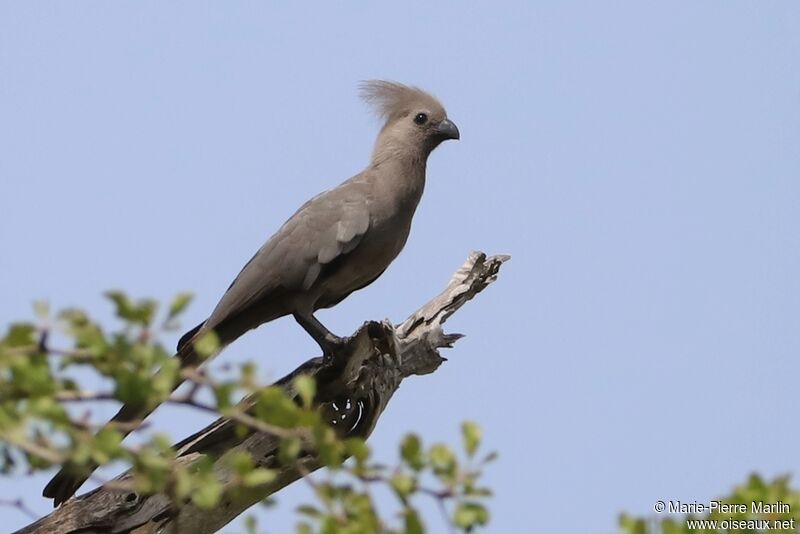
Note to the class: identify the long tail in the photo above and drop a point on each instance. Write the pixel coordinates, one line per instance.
(67, 481)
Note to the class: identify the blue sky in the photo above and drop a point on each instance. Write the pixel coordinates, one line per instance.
(639, 161)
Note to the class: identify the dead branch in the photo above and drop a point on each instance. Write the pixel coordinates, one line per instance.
(355, 385)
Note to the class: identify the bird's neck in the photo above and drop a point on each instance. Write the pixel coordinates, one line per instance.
(403, 174)
(391, 148)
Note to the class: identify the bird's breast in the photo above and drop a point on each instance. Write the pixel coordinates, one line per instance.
(380, 245)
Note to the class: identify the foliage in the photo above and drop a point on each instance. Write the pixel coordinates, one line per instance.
(39, 429)
(754, 506)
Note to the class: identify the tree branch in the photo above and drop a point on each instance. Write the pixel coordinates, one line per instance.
(363, 376)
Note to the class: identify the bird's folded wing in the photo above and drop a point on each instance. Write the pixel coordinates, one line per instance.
(339, 236)
(325, 228)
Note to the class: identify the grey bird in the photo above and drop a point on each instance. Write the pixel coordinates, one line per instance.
(336, 243)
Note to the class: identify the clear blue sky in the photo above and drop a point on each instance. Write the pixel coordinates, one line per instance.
(641, 162)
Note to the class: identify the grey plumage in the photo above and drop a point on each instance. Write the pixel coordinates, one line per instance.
(336, 243)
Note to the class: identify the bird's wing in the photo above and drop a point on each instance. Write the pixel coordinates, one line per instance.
(325, 228)
(337, 230)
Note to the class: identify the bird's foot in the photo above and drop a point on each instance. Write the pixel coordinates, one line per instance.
(332, 346)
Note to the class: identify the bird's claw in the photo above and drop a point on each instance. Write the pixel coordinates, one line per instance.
(333, 346)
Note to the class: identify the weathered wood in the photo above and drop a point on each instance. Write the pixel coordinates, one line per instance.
(362, 377)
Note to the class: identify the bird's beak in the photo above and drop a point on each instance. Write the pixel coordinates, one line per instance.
(447, 129)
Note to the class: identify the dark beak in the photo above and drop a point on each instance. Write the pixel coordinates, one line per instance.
(447, 129)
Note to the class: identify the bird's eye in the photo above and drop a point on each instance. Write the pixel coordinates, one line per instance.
(421, 118)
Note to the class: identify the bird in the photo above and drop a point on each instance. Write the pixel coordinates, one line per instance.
(336, 243)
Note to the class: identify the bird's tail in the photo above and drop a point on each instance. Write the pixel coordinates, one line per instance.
(188, 336)
(67, 481)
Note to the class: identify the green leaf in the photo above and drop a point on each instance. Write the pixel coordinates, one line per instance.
(329, 448)
(163, 382)
(123, 306)
(477, 492)
(141, 312)
(442, 459)
(358, 449)
(288, 450)
(21, 335)
(276, 408)
(134, 389)
(223, 394)
(106, 445)
(258, 477)
(632, 525)
(207, 487)
(309, 511)
(152, 467)
(248, 376)
(207, 492)
(240, 462)
(403, 485)
(306, 387)
(411, 452)
(207, 344)
(32, 376)
(183, 483)
(413, 522)
(471, 434)
(87, 334)
(470, 514)
(41, 308)
(179, 304)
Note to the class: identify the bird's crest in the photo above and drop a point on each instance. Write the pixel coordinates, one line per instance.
(391, 99)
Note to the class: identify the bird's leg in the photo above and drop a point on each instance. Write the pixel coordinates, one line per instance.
(327, 340)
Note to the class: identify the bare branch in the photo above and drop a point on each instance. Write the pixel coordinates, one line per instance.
(19, 505)
(364, 375)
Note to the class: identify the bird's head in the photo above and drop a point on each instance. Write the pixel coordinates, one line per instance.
(415, 122)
